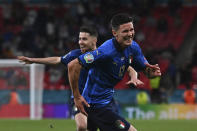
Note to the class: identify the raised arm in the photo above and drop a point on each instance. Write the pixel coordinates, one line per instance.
(47, 60)
(73, 74)
(152, 71)
(133, 77)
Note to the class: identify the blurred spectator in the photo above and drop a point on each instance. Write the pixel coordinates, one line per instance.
(41, 22)
(184, 74)
(31, 17)
(54, 80)
(150, 4)
(155, 91)
(162, 24)
(7, 53)
(140, 37)
(150, 21)
(194, 55)
(18, 12)
(172, 71)
(27, 41)
(174, 5)
(178, 21)
(50, 29)
(164, 95)
(6, 12)
(143, 98)
(13, 98)
(189, 96)
(81, 11)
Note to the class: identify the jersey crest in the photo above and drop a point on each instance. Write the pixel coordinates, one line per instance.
(130, 59)
(89, 58)
(120, 124)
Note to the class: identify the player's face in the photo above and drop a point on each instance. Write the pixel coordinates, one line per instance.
(87, 42)
(124, 34)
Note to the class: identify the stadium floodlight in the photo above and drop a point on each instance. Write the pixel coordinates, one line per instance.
(26, 79)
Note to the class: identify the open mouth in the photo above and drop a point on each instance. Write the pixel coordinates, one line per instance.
(128, 39)
(82, 47)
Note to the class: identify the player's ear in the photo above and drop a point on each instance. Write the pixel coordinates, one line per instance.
(94, 39)
(114, 33)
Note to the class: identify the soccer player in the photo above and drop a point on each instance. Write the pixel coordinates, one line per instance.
(107, 66)
(87, 42)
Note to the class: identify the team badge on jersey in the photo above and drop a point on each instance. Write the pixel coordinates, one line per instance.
(130, 59)
(89, 58)
(120, 124)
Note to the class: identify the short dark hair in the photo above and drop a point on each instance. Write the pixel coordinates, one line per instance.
(120, 19)
(89, 29)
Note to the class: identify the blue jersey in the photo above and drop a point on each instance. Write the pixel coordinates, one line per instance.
(107, 66)
(83, 73)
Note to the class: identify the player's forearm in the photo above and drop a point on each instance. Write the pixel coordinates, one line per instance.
(132, 73)
(48, 60)
(73, 74)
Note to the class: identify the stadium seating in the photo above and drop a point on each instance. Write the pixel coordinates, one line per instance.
(58, 93)
(56, 96)
(4, 96)
(3, 83)
(49, 96)
(177, 96)
(127, 96)
(174, 35)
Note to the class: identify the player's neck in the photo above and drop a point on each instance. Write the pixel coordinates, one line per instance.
(118, 46)
(94, 48)
(122, 47)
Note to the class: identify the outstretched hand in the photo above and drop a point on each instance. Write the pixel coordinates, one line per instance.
(79, 103)
(153, 70)
(136, 82)
(25, 60)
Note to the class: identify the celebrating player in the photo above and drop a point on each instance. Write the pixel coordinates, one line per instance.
(107, 66)
(87, 42)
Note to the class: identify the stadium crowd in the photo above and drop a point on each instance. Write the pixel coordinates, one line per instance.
(51, 30)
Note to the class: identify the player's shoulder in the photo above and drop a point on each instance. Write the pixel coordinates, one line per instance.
(72, 53)
(107, 46)
(107, 43)
(135, 46)
(76, 51)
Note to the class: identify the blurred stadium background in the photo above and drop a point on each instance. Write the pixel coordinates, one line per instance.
(165, 29)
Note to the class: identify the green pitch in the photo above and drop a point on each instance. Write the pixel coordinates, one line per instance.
(69, 125)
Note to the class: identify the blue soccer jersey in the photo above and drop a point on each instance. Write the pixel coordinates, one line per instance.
(107, 66)
(83, 73)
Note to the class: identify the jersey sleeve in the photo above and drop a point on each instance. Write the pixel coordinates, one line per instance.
(67, 58)
(139, 61)
(90, 59)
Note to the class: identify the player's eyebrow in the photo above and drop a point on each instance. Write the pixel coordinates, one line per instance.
(83, 38)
